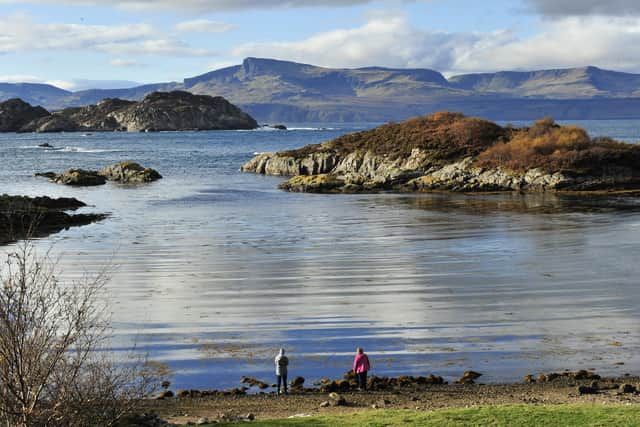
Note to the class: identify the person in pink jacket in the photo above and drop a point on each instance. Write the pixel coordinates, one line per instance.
(361, 366)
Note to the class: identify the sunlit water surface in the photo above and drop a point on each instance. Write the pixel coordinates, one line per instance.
(215, 270)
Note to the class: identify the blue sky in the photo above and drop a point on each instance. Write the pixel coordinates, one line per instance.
(67, 42)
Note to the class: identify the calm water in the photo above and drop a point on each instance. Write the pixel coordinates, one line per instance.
(217, 269)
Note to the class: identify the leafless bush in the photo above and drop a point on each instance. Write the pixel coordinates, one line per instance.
(55, 367)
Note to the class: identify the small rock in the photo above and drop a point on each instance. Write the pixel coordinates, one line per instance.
(325, 404)
(529, 379)
(337, 400)
(250, 417)
(627, 388)
(297, 382)
(383, 403)
(583, 389)
(166, 394)
(182, 393)
(202, 421)
(469, 377)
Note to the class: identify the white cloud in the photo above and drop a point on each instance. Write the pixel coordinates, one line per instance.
(21, 33)
(202, 6)
(392, 41)
(203, 26)
(568, 42)
(387, 40)
(119, 62)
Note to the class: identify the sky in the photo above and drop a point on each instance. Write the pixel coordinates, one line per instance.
(77, 44)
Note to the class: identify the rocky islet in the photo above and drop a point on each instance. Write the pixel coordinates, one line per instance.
(158, 111)
(452, 152)
(123, 173)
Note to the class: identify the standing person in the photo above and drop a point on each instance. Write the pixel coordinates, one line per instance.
(361, 366)
(282, 362)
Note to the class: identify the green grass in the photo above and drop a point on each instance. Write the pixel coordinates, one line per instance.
(489, 416)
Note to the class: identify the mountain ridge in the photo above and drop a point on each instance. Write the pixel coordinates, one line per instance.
(277, 90)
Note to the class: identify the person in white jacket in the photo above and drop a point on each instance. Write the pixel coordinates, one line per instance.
(282, 362)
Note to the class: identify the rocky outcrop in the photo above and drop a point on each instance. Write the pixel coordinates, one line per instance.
(15, 113)
(129, 173)
(75, 177)
(123, 173)
(463, 176)
(22, 217)
(449, 152)
(159, 111)
(172, 111)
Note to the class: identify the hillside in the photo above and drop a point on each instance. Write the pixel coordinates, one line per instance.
(573, 83)
(282, 91)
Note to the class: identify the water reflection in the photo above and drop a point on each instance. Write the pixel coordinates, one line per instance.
(217, 269)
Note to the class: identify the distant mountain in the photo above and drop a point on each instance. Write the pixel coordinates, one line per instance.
(282, 91)
(33, 93)
(573, 83)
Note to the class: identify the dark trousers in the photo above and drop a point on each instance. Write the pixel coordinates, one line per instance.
(362, 380)
(282, 380)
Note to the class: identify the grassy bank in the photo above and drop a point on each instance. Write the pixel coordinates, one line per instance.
(508, 416)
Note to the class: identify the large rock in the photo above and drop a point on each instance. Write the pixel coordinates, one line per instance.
(75, 177)
(312, 184)
(15, 113)
(173, 111)
(129, 173)
(123, 172)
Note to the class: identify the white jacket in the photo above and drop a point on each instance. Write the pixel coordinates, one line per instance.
(281, 363)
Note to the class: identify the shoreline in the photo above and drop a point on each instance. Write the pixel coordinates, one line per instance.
(560, 391)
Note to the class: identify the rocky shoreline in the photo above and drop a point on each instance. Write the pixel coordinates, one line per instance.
(451, 152)
(28, 217)
(405, 392)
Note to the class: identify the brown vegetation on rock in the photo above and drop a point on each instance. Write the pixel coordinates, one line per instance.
(554, 148)
(445, 137)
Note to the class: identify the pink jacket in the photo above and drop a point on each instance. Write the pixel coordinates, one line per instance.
(361, 363)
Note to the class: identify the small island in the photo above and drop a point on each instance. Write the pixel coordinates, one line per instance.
(451, 152)
(158, 111)
(123, 173)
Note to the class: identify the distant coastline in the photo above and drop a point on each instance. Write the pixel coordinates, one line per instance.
(281, 91)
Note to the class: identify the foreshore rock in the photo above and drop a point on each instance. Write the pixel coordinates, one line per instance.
(123, 173)
(158, 111)
(448, 152)
(22, 217)
(75, 177)
(129, 173)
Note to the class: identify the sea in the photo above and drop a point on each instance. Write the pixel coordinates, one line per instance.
(213, 270)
